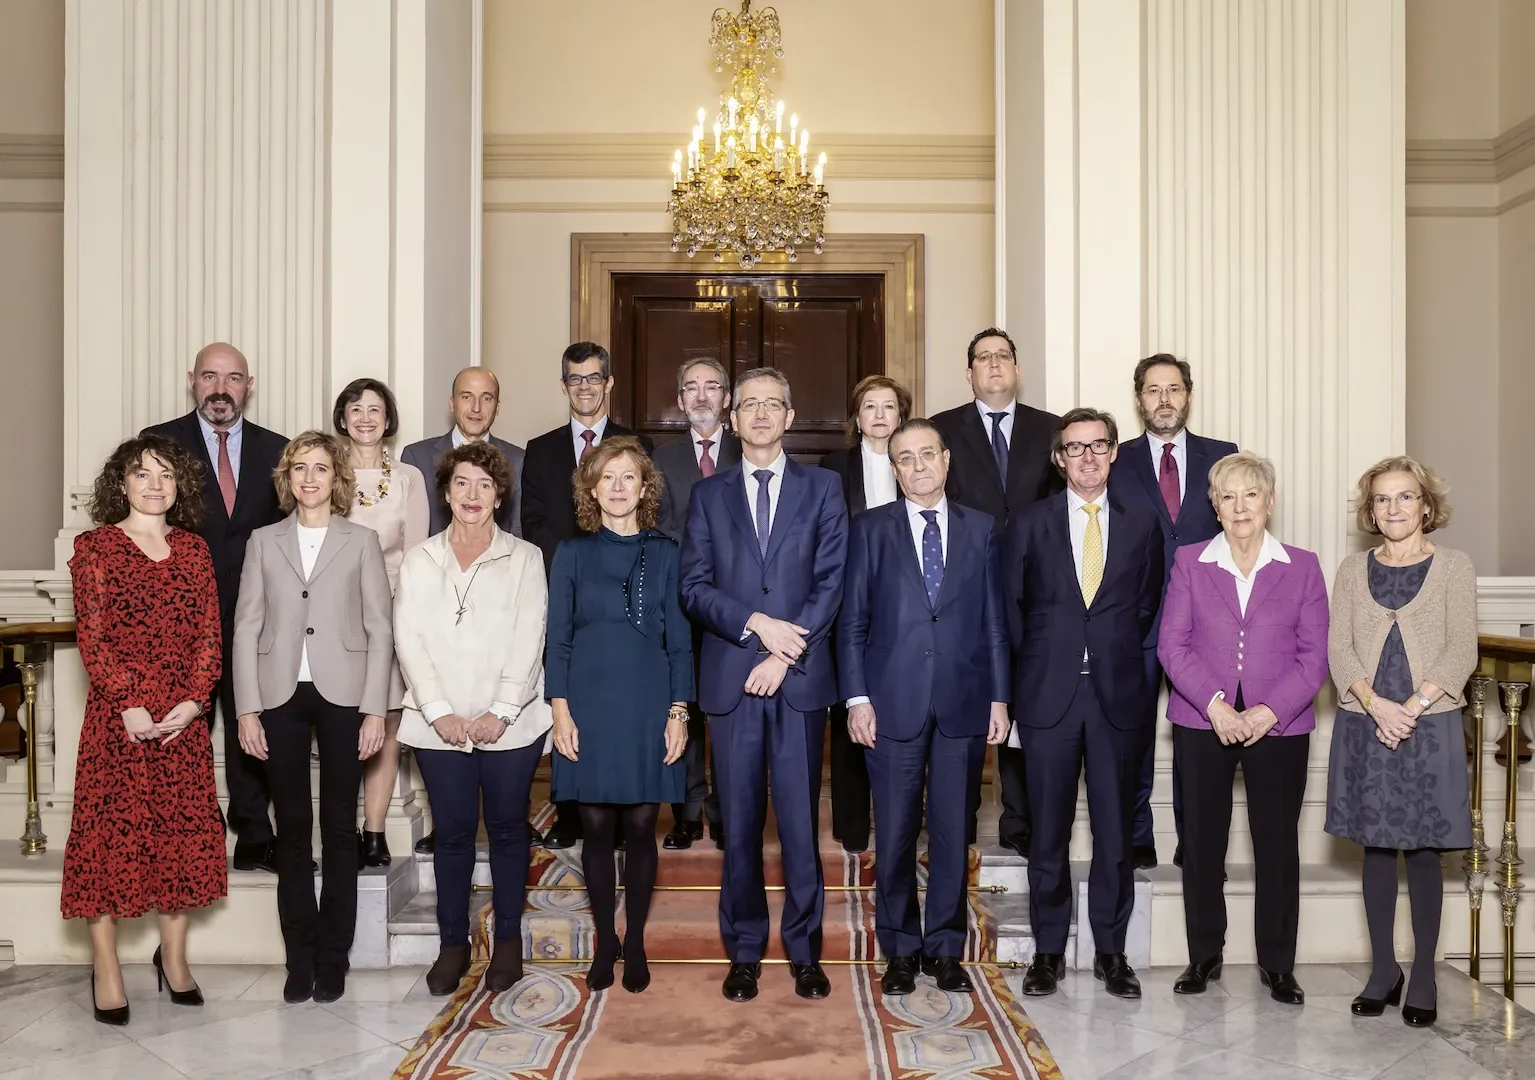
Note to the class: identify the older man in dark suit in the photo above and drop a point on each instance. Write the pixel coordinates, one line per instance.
(1167, 471)
(922, 659)
(238, 458)
(703, 394)
(474, 403)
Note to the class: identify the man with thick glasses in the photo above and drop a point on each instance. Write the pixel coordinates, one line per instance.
(1000, 454)
(703, 392)
(1166, 470)
(761, 573)
(548, 503)
(1085, 582)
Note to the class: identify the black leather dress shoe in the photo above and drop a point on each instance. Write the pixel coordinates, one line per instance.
(1368, 1006)
(900, 976)
(741, 982)
(562, 834)
(810, 981)
(299, 987)
(682, 835)
(1018, 842)
(535, 838)
(1178, 856)
(948, 974)
(1117, 976)
(1044, 975)
(329, 986)
(427, 844)
(1143, 857)
(1196, 978)
(1282, 987)
(717, 834)
(252, 855)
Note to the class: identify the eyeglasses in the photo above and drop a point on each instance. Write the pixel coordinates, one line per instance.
(772, 406)
(1171, 393)
(596, 378)
(1097, 446)
(1404, 499)
(703, 388)
(908, 460)
(998, 358)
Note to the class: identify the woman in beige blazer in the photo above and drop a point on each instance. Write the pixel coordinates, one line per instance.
(313, 646)
(469, 632)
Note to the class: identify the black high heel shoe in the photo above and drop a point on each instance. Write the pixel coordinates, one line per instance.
(600, 975)
(372, 850)
(1368, 1006)
(193, 996)
(116, 1017)
(1413, 1016)
(636, 971)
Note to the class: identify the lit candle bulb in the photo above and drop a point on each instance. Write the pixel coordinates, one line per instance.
(730, 153)
(819, 174)
(804, 143)
(677, 167)
(778, 123)
(778, 153)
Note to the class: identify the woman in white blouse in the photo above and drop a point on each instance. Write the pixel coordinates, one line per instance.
(879, 405)
(393, 501)
(469, 632)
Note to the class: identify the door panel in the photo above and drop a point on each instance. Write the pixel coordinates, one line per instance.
(665, 327)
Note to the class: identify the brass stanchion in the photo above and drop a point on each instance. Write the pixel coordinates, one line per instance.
(993, 889)
(1004, 965)
(1475, 859)
(33, 643)
(1512, 695)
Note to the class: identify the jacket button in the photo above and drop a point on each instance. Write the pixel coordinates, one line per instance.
(306, 594)
(929, 652)
(310, 630)
(764, 590)
(935, 618)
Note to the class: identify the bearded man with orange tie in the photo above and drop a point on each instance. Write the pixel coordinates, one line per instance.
(238, 458)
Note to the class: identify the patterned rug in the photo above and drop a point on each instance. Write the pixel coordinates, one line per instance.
(549, 1027)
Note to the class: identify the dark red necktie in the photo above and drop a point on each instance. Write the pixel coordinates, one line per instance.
(589, 435)
(1168, 481)
(705, 462)
(226, 474)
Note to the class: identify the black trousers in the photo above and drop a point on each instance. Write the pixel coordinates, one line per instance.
(318, 938)
(849, 784)
(1012, 772)
(1274, 773)
(703, 801)
(244, 776)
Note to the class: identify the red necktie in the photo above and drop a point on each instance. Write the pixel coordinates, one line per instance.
(587, 436)
(705, 462)
(1168, 481)
(226, 474)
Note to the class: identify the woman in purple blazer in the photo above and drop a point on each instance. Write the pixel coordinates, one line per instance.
(1244, 645)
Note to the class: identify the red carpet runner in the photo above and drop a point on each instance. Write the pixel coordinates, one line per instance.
(550, 1028)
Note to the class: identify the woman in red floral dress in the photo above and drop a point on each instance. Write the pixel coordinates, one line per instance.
(146, 832)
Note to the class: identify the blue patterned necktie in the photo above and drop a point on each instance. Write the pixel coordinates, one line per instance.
(764, 508)
(932, 556)
(999, 445)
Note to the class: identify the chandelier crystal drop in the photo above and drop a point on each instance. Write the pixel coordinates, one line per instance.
(748, 187)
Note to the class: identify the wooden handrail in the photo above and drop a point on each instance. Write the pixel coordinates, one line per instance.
(32, 633)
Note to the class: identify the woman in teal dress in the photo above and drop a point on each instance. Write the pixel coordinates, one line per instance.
(619, 676)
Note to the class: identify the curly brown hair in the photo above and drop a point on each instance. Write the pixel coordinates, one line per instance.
(343, 489)
(481, 455)
(109, 502)
(584, 482)
(1436, 506)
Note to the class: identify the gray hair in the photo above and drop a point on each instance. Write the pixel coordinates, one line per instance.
(763, 373)
(1240, 471)
(702, 361)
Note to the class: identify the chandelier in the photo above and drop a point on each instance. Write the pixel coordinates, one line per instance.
(747, 190)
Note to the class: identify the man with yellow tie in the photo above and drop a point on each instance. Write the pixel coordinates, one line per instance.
(1085, 579)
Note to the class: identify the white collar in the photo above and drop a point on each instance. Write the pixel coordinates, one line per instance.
(1179, 441)
(1075, 502)
(714, 440)
(576, 427)
(441, 551)
(779, 464)
(1218, 551)
(914, 510)
(986, 410)
(458, 438)
(210, 432)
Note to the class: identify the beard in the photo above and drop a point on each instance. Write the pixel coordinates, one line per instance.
(1167, 424)
(703, 416)
(207, 405)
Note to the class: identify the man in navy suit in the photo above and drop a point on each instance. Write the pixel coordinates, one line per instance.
(761, 574)
(1167, 471)
(1085, 581)
(922, 654)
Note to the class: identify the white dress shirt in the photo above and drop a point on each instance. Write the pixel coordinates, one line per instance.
(1077, 519)
(1180, 443)
(775, 485)
(986, 410)
(211, 440)
(1218, 551)
(714, 446)
(310, 541)
(878, 477)
(460, 439)
(576, 428)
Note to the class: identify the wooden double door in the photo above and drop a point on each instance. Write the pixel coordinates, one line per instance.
(824, 331)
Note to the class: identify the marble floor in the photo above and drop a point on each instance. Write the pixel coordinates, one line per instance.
(1234, 1032)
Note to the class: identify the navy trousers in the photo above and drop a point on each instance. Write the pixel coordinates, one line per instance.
(899, 770)
(1143, 834)
(758, 737)
(1056, 757)
(703, 802)
(458, 783)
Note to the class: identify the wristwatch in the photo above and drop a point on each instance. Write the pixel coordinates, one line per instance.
(1423, 703)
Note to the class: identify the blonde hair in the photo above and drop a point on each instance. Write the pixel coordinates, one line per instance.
(1230, 472)
(343, 489)
(1436, 509)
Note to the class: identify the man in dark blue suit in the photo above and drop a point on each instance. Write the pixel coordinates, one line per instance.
(922, 653)
(1167, 471)
(1085, 582)
(762, 563)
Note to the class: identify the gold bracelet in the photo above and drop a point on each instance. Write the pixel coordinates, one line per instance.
(1369, 699)
(677, 712)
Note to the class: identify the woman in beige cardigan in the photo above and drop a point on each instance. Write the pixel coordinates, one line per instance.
(1401, 646)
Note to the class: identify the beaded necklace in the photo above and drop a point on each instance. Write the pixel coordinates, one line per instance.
(383, 485)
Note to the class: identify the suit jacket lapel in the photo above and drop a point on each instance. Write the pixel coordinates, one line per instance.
(251, 473)
(1226, 585)
(1195, 464)
(858, 498)
(964, 546)
(1117, 553)
(1137, 456)
(213, 498)
(287, 543)
(791, 493)
(735, 501)
(1058, 524)
(337, 536)
(906, 551)
(976, 434)
(1264, 583)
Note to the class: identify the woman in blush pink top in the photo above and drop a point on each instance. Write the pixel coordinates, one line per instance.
(1244, 645)
(393, 501)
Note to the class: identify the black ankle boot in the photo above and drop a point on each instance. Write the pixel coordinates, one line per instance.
(372, 850)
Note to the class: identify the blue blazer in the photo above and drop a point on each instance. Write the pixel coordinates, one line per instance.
(1134, 483)
(914, 659)
(726, 579)
(1050, 626)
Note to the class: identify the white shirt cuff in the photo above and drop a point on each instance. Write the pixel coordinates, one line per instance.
(1220, 695)
(857, 701)
(434, 711)
(505, 711)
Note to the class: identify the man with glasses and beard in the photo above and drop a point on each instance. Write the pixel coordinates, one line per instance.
(703, 393)
(1167, 471)
(548, 501)
(238, 459)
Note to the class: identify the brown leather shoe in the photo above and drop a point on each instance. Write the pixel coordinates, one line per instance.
(449, 970)
(505, 969)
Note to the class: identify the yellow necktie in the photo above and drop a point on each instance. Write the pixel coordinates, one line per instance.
(1092, 555)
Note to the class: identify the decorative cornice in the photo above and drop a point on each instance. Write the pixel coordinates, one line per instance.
(1472, 161)
(31, 157)
(645, 157)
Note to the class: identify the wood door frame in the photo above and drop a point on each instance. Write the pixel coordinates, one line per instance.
(596, 257)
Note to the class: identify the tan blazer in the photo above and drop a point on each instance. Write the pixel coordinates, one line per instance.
(342, 613)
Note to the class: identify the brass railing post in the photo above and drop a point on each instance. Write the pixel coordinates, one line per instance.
(1512, 695)
(32, 657)
(1475, 859)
